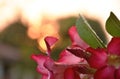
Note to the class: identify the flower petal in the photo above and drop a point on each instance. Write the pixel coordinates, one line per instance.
(114, 46)
(71, 74)
(98, 57)
(40, 59)
(106, 72)
(68, 58)
(56, 71)
(61, 71)
(117, 73)
(75, 38)
(49, 42)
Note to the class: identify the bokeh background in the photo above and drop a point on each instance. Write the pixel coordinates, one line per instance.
(25, 23)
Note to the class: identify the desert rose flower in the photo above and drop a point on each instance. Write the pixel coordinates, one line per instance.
(64, 68)
(106, 60)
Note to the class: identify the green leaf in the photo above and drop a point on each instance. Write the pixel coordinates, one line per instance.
(87, 33)
(113, 25)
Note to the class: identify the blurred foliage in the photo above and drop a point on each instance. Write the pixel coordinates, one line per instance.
(15, 35)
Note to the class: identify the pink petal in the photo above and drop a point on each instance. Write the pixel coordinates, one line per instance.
(71, 74)
(40, 59)
(56, 71)
(98, 58)
(114, 46)
(75, 38)
(49, 42)
(117, 73)
(68, 58)
(106, 72)
(47, 67)
(61, 71)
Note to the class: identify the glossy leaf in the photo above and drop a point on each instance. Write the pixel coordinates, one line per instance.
(88, 34)
(113, 25)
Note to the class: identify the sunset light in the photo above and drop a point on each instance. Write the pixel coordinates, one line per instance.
(33, 13)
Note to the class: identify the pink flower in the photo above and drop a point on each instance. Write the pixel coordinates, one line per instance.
(64, 68)
(98, 57)
(106, 61)
(114, 46)
(106, 72)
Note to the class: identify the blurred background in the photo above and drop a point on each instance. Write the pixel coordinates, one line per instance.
(25, 23)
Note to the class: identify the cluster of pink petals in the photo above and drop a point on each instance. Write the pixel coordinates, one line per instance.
(66, 66)
(71, 60)
(99, 59)
(49, 69)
